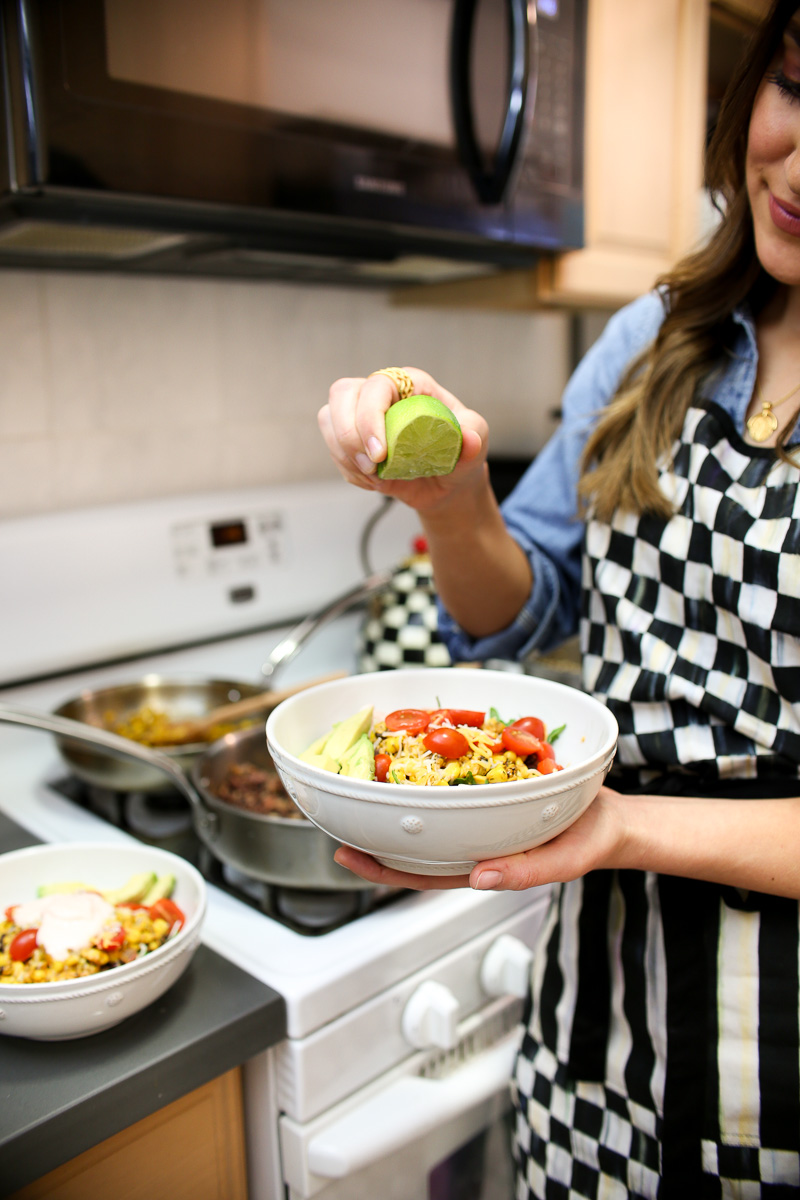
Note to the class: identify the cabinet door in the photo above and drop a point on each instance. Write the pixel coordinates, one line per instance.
(645, 128)
(645, 122)
(192, 1148)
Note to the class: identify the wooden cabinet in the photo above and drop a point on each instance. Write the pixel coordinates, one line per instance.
(646, 98)
(645, 119)
(193, 1148)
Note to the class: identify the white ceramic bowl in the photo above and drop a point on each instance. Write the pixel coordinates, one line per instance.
(444, 830)
(73, 1008)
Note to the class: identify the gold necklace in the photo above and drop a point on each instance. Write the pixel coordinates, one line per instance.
(763, 424)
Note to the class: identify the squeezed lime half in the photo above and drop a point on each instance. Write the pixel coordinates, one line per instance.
(423, 438)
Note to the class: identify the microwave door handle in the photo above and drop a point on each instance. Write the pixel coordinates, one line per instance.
(27, 163)
(490, 183)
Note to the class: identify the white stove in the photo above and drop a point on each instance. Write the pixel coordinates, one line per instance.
(402, 1022)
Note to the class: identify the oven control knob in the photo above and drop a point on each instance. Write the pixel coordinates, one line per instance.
(506, 967)
(430, 1018)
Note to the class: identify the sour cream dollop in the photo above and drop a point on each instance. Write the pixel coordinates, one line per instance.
(65, 921)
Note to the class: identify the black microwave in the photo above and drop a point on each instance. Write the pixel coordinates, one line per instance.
(347, 140)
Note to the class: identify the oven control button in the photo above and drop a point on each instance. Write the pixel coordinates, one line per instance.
(506, 967)
(430, 1018)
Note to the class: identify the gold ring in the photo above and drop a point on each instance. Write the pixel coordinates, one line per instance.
(403, 382)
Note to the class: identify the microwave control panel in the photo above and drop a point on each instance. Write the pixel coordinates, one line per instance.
(553, 153)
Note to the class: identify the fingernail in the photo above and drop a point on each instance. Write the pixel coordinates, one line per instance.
(375, 449)
(364, 464)
(487, 880)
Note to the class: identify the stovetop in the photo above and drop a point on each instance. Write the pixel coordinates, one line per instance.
(164, 819)
(322, 975)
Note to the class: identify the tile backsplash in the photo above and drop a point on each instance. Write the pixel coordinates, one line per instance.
(115, 388)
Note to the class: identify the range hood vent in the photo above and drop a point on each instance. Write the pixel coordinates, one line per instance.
(47, 238)
(40, 232)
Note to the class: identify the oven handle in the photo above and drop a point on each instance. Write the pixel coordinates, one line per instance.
(407, 1110)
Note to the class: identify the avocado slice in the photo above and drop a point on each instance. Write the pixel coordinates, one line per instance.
(52, 889)
(359, 761)
(316, 748)
(317, 755)
(163, 887)
(132, 891)
(346, 733)
(323, 761)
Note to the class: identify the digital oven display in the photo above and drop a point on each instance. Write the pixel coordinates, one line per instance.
(228, 533)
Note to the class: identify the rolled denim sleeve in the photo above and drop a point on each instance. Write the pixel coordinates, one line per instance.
(542, 511)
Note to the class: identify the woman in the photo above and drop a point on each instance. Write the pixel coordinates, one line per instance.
(661, 1053)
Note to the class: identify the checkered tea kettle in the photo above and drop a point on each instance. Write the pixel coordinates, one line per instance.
(401, 625)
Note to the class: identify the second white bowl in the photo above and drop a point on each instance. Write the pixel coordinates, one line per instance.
(73, 1008)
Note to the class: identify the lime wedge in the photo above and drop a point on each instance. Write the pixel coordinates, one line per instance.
(422, 437)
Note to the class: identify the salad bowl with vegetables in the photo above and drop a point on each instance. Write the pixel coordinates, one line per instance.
(91, 933)
(432, 770)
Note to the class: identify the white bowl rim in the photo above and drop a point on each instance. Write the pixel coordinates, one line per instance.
(186, 938)
(487, 794)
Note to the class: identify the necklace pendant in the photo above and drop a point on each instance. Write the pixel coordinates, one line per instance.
(762, 424)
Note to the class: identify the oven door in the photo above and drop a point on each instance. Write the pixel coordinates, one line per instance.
(437, 1128)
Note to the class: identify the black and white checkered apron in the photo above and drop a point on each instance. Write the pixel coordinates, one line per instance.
(661, 1049)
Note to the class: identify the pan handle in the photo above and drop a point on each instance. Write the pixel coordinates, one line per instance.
(286, 649)
(118, 746)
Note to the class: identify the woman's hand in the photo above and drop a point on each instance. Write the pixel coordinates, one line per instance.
(459, 513)
(749, 844)
(353, 426)
(596, 840)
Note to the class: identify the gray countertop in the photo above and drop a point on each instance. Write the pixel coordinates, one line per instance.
(59, 1098)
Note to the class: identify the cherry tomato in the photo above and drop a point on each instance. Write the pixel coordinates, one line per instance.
(546, 766)
(22, 946)
(459, 716)
(532, 725)
(545, 751)
(111, 939)
(520, 741)
(497, 747)
(411, 720)
(450, 743)
(382, 764)
(168, 911)
(10, 913)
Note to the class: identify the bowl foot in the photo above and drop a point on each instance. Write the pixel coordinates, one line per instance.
(425, 868)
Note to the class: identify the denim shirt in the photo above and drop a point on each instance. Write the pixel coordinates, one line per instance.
(542, 511)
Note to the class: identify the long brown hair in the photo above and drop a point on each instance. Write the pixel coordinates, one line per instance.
(639, 427)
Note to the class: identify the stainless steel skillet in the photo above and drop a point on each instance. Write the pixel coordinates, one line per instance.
(276, 850)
